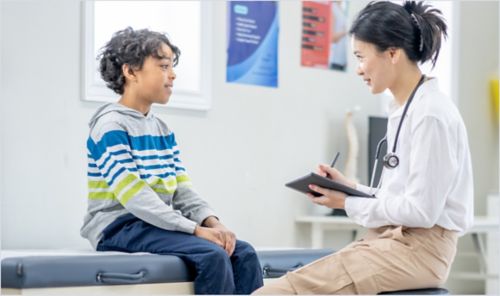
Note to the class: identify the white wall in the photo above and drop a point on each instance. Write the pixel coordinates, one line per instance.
(478, 58)
(44, 125)
(478, 63)
(239, 154)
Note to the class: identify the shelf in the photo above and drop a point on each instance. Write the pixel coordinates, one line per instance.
(466, 275)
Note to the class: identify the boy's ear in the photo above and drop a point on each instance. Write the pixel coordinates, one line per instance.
(128, 72)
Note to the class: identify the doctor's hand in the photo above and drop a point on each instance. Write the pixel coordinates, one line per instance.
(332, 199)
(332, 173)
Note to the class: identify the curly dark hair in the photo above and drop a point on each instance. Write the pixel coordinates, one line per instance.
(130, 47)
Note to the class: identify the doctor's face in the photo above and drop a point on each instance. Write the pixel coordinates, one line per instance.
(374, 67)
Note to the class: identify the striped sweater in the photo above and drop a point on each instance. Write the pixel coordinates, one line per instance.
(134, 167)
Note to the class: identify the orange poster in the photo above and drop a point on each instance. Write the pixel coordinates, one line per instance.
(316, 24)
(324, 41)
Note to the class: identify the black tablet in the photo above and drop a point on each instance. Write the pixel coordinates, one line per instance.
(302, 185)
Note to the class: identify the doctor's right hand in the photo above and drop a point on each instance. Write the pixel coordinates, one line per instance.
(332, 173)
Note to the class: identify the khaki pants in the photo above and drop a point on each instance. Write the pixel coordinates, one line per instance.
(388, 258)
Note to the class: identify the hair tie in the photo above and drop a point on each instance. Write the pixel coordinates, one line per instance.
(421, 43)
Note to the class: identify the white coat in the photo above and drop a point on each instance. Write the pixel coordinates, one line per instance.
(433, 184)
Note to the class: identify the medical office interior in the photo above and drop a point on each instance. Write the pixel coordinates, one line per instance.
(242, 142)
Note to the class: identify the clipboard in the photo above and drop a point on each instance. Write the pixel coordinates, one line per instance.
(302, 184)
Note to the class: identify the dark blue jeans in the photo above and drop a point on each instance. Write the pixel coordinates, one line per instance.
(216, 272)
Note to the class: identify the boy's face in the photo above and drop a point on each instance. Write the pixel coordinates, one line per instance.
(156, 77)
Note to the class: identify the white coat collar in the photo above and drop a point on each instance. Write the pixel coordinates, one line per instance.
(396, 110)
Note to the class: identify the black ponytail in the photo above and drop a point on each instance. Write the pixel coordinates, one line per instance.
(415, 27)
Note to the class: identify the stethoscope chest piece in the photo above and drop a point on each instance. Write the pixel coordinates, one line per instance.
(391, 160)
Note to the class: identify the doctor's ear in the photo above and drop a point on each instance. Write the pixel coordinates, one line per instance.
(394, 54)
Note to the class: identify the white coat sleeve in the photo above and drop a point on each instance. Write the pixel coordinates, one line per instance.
(364, 188)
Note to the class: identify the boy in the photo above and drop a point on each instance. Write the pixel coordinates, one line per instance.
(140, 196)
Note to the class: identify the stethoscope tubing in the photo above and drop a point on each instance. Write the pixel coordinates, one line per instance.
(391, 155)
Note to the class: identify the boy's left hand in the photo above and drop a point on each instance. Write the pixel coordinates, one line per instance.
(332, 199)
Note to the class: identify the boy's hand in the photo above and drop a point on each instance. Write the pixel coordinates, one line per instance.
(218, 234)
(210, 234)
(229, 238)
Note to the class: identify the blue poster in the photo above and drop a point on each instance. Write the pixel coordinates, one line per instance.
(252, 52)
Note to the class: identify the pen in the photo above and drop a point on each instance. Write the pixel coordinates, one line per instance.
(335, 160)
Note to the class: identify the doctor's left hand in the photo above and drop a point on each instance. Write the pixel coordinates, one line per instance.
(330, 198)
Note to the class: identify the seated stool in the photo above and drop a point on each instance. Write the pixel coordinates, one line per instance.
(427, 291)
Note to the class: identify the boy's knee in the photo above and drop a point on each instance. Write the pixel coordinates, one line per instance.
(217, 255)
(245, 249)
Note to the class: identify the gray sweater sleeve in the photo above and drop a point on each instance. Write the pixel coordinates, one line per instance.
(191, 205)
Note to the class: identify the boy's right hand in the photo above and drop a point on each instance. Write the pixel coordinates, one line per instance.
(332, 173)
(211, 234)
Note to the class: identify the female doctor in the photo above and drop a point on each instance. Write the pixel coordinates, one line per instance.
(425, 201)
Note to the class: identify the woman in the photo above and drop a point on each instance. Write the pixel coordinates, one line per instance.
(425, 201)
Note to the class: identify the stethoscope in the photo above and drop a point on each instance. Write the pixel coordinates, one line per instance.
(391, 159)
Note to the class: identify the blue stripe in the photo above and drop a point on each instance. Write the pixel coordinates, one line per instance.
(109, 139)
(126, 160)
(121, 170)
(160, 175)
(156, 166)
(106, 174)
(140, 143)
(121, 161)
(119, 152)
(92, 165)
(135, 170)
(168, 156)
(148, 142)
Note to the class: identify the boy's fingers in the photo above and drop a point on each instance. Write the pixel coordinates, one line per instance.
(232, 246)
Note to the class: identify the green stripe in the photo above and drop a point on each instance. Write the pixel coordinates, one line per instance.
(132, 191)
(156, 182)
(98, 185)
(163, 190)
(124, 183)
(101, 195)
(169, 183)
(182, 178)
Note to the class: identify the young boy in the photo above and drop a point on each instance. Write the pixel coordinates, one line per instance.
(140, 196)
